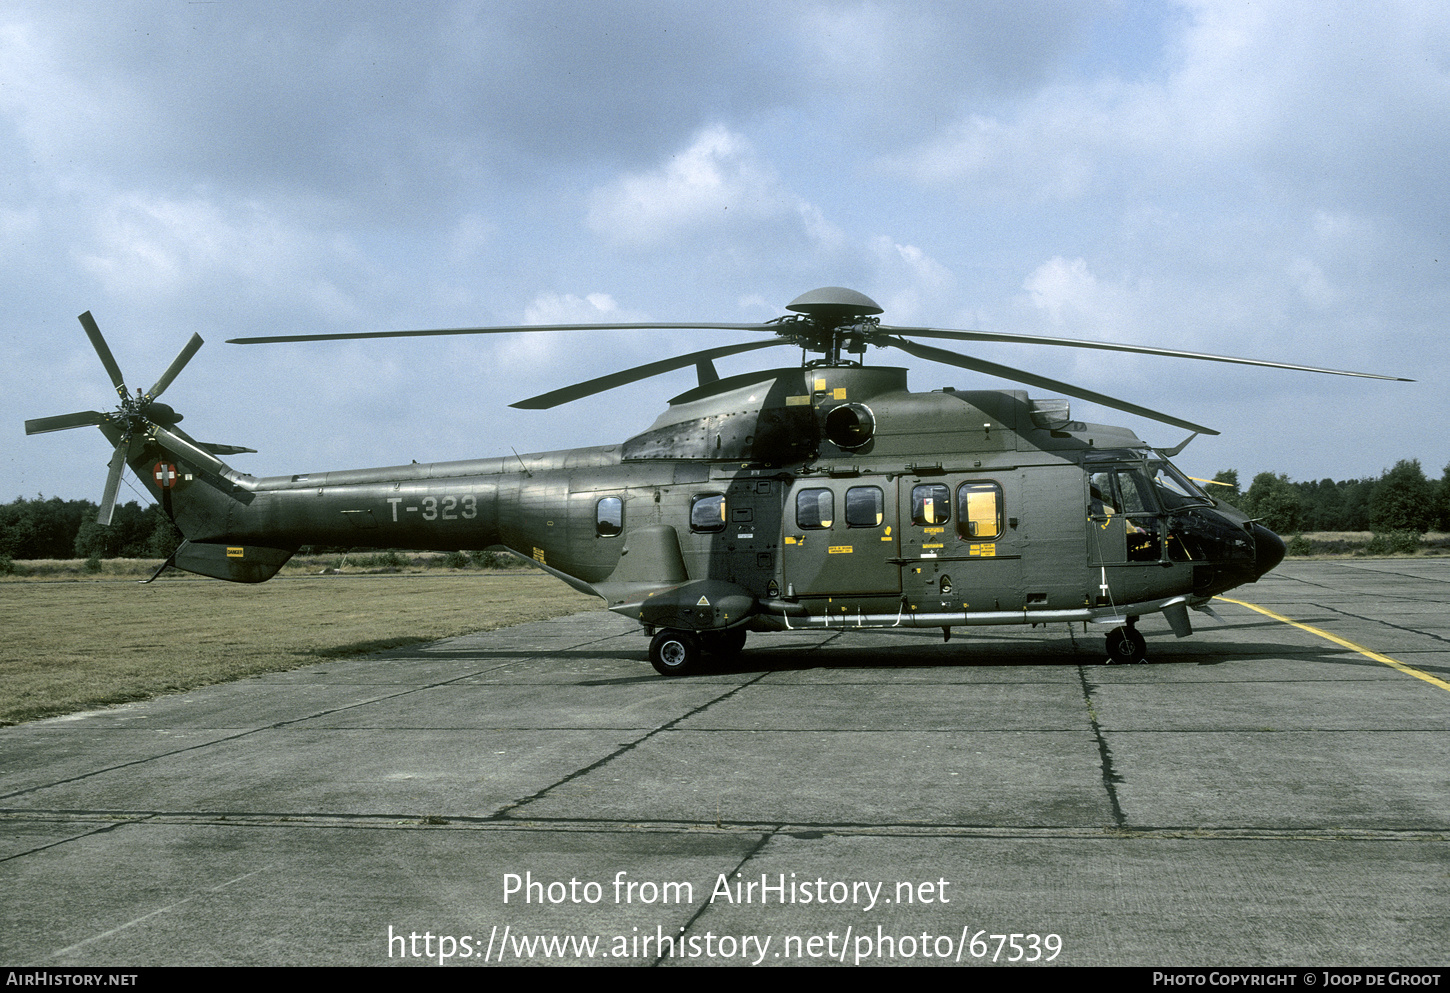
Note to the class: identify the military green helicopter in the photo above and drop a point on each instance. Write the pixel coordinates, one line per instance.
(821, 496)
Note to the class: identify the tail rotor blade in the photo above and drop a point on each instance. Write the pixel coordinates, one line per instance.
(104, 351)
(177, 364)
(113, 483)
(62, 422)
(179, 445)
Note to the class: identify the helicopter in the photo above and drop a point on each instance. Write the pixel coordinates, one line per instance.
(825, 495)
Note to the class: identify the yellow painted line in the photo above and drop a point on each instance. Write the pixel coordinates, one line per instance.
(1384, 659)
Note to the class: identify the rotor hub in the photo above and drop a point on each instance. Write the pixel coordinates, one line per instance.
(834, 320)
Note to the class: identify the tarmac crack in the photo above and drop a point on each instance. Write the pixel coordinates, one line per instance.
(1392, 572)
(814, 830)
(1382, 622)
(1105, 754)
(754, 851)
(102, 829)
(625, 748)
(296, 720)
(1413, 598)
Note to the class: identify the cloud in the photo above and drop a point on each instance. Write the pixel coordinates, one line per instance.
(717, 184)
(1228, 177)
(1313, 107)
(889, 70)
(1069, 293)
(566, 308)
(1313, 286)
(919, 285)
(1049, 154)
(155, 251)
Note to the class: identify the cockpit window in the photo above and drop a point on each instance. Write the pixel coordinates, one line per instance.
(1103, 495)
(1135, 492)
(1175, 489)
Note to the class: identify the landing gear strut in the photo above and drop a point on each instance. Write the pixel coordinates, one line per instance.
(723, 644)
(1126, 645)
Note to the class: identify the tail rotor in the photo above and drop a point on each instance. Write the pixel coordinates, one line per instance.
(138, 418)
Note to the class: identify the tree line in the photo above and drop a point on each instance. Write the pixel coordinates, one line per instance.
(1402, 499)
(67, 529)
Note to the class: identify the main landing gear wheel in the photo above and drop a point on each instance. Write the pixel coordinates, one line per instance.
(1127, 646)
(674, 653)
(723, 644)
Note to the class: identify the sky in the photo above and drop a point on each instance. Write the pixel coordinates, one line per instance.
(1265, 179)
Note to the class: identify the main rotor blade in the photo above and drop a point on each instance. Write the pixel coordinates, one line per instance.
(580, 390)
(62, 422)
(1031, 379)
(113, 482)
(177, 364)
(515, 329)
(104, 351)
(175, 443)
(1032, 339)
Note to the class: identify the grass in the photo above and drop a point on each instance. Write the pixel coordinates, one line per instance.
(86, 643)
(354, 563)
(1331, 544)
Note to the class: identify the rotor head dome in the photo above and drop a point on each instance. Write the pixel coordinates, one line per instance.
(834, 303)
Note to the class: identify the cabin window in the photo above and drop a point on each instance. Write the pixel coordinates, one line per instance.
(609, 517)
(979, 511)
(931, 503)
(815, 509)
(707, 513)
(865, 507)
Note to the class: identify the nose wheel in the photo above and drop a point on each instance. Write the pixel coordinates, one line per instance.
(1126, 645)
(674, 653)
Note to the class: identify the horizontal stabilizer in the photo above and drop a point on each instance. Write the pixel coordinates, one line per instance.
(234, 563)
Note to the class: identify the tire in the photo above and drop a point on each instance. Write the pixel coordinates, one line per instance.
(724, 644)
(1126, 646)
(674, 653)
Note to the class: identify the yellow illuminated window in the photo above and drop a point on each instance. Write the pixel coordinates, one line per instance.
(979, 509)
